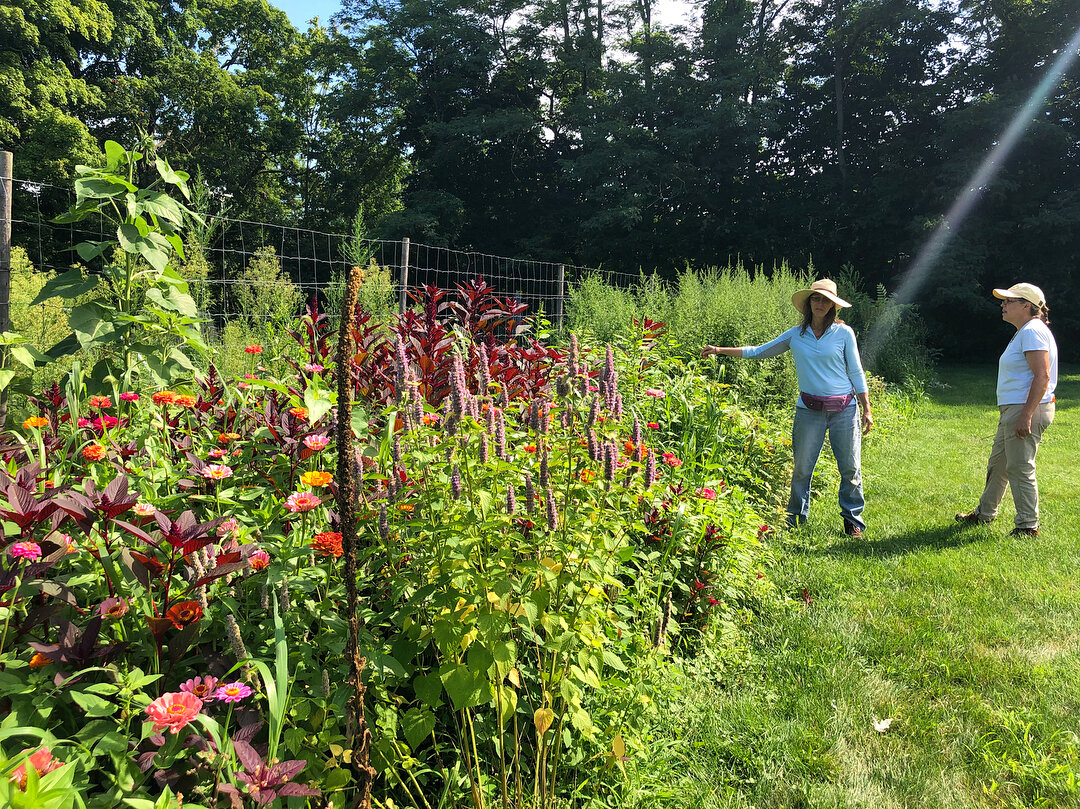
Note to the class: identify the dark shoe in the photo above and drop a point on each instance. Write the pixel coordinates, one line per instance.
(1024, 532)
(851, 529)
(972, 518)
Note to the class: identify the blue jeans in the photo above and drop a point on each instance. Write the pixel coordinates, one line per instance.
(845, 437)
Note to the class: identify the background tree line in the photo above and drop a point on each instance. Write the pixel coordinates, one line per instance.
(831, 132)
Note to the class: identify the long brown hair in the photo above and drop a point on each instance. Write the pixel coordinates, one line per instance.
(808, 317)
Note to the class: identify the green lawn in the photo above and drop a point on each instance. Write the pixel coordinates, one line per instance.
(966, 638)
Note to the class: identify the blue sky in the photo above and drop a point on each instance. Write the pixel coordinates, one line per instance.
(300, 11)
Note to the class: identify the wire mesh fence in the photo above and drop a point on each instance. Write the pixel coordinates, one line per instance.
(315, 262)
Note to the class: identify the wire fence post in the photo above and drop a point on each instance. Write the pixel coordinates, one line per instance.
(6, 188)
(561, 296)
(403, 293)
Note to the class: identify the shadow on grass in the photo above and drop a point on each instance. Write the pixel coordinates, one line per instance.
(940, 537)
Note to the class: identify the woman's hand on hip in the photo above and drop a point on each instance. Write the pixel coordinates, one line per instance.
(867, 422)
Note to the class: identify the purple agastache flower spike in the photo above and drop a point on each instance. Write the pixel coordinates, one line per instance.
(490, 427)
(384, 523)
(617, 411)
(575, 366)
(455, 483)
(534, 415)
(457, 386)
(594, 447)
(511, 500)
(545, 477)
(650, 470)
(395, 451)
(500, 436)
(594, 410)
(545, 412)
(530, 494)
(485, 372)
(552, 514)
(635, 435)
(417, 407)
(611, 380)
(609, 462)
(483, 448)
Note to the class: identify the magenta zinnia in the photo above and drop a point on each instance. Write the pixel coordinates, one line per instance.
(316, 442)
(232, 692)
(302, 501)
(30, 551)
(174, 711)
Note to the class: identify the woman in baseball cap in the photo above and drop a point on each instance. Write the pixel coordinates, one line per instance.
(1027, 377)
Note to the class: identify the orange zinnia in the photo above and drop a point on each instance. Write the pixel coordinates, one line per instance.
(35, 421)
(184, 400)
(316, 478)
(327, 544)
(93, 452)
(225, 438)
(184, 613)
(164, 397)
(299, 412)
(39, 660)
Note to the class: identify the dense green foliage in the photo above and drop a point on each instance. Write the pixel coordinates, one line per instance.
(838, 133)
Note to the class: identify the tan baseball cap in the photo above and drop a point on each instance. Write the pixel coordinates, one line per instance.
(1029, 292)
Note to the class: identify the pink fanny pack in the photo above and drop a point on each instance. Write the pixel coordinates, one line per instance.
(828, 404)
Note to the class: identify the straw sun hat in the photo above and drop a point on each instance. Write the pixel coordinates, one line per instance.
(824, 287)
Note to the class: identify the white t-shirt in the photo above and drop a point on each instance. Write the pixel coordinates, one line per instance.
(1014, 373)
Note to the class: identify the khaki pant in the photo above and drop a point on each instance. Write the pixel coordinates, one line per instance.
(1012, 463)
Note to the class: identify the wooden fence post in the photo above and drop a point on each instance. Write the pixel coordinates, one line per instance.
(562, 296)
(403, 294)
(6, 189)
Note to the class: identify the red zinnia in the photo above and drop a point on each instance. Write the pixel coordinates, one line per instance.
(327, 544)
(254, 349)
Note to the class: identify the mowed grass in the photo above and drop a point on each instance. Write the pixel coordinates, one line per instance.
(966, 638)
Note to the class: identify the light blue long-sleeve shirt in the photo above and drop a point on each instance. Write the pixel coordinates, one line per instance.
(827, 366)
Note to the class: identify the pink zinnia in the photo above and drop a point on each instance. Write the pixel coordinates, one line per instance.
(229, 526)
(302, 501)
(129, 397)
(41, 761)
(671, 459)
(144, 509)
(217, 453)
(652, 425)
(201, 687)
(113, 608)
(232, 692)
(259, 560)
(30, 551)
(313, 368)
(656, 393)
(174, 711)
(216, 471)
(316, 442)
(706, 493)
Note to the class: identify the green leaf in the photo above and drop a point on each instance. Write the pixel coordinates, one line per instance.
(69, 345)
(428, 688)
(94, 705)
(114, 153)
(156, 256)
(505, 656)
(104, 186)
(173, 300)
(88, 251)
(69, 285)
(160, 205)
(28, 355)
(417, 725)
(92, 324)
(613, 660)
(127, 234)
(6, 375)
(317, 407)
(465, 689)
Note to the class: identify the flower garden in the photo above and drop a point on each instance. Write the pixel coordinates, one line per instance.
(435, 561)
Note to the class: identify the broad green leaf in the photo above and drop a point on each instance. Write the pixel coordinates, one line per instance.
(173, 300)
(101, 187)
(114, 153)
(317, 407)
(69, 285)
(69, 345)
(160, 205)
(94, 705)
(417, 725)
(613, 660)
(505, 656)
(91, 323)
(6, 375)
(428, 688)
(28, 355)
(542, 719)
(508, 700)
(129, 237)
(157, 257)
(465, 689)
(88, 251)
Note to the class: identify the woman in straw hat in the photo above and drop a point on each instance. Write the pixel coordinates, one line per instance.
(831, 378)
(1027, 377)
